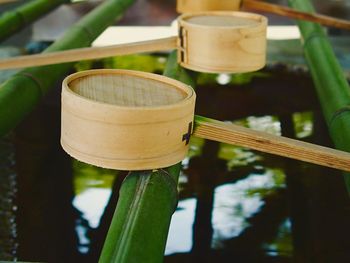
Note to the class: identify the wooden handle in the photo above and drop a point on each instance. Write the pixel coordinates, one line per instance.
(262, 141)
(289, 12)
(88, 53)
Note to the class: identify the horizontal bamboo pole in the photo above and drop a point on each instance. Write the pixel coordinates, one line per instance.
(296, 14)
(88, 53)
(237, 135)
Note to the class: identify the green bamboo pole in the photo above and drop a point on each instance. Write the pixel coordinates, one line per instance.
(14, 20)
(147, 200)
(330, 82)
(20, 94)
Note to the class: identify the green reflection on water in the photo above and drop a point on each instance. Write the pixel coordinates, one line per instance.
(196, 145)
(87, 176)
(237, 156)
(303, 124)
(278, 177)
(282, 245)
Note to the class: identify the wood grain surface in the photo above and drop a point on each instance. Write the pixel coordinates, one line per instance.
(278, 145)
(88, 53)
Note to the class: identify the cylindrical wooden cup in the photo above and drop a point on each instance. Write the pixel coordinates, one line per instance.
(222, 42)
(126, 120)
(191, 6)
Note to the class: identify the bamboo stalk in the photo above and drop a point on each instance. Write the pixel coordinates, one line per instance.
(14, 20)
(139, 227)
(88, 53)
(20, 94)
(331, 85)
(147, 200)
(292, 13)
(237, 135)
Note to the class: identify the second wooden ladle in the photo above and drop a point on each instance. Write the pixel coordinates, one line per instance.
(215, 42)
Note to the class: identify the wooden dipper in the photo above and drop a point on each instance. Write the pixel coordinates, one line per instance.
(126, 120)
(222, 42)
(130, 120)
(214, 42)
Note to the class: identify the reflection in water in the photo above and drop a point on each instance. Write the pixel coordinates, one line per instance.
(233, 206)
(180, 232)
(92, 203)
(92, 191)
(303, 127)
(234, 203)
(282, 245)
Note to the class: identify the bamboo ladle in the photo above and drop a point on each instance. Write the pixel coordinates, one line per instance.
(215, 42)
(161, 44)
(189, 6)
(131, 120)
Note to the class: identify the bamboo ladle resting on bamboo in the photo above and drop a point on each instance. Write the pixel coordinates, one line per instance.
(192, 38)
(130, 120)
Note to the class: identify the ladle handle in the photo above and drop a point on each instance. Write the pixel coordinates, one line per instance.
(291, 13)
(237, 135)
(88, 53)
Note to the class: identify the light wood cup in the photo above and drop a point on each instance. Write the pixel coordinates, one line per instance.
(222, 42)
(190, 6)
(126, 120)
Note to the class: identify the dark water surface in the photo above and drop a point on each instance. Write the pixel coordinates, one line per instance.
(236, 205)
